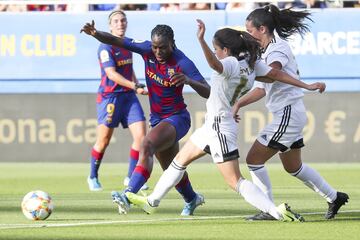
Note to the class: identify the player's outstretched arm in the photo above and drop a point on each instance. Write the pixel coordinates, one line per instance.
(104, 37)
(286, 78)
(212, 60)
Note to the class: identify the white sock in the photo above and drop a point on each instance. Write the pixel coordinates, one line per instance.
(311, 178)
(260, 178)
(253, 195)
(170, 177)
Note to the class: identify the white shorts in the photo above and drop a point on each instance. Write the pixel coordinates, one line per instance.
(285, 131)
(218, 137)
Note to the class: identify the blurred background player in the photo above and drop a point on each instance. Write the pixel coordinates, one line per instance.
(236, 64)
(167, 69)
(285, 102)
(117, 101)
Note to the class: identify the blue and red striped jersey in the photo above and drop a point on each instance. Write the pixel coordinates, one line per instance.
(119, 58)
(165, 100)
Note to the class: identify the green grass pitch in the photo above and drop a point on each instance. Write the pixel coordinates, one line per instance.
(81, 214)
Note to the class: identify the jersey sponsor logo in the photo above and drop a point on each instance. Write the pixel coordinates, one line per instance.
(104, 56)
(124, 62)
(158, 79)
(245, 71)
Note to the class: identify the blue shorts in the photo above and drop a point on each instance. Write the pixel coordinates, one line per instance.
(123, 108)
(181, 121)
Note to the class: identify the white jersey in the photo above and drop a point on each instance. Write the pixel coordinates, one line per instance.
(218, 135)
(236, 79)
(278, 94)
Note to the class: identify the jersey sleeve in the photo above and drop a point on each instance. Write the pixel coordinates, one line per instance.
(261, 69)
(258, 84)
(229, 64)
(277, 56)
(106, 56)
(190, 70)
(137, 46)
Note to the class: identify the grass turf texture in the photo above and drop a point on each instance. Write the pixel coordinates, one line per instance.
(81, 214)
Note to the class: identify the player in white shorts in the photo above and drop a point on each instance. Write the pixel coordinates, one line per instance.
(285, 102)
(285, 130)
(236, 64)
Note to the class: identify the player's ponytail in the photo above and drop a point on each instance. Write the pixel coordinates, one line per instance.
(250, 48)
(286, 22)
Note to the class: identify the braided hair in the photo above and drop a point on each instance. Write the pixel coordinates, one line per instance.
(241, 44)
(164, 31)
(286, 22)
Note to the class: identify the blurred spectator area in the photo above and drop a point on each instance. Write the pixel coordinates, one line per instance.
(72, 6)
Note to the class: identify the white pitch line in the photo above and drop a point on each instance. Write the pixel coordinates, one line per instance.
(9, 226)
(16, 226)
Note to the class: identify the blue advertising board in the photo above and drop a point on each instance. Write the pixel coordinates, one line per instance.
(45, 52)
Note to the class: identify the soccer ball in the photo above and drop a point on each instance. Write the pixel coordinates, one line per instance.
(37, 205)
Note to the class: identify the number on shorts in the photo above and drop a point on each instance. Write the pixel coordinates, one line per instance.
(110, 108)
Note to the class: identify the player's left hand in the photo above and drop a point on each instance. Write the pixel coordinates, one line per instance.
(140, 89)
(317, 86)
(201, 29)
(237, 118)
(89, 28)
(178, 79)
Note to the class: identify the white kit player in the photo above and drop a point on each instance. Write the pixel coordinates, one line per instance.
(236, 64)
(285, 102)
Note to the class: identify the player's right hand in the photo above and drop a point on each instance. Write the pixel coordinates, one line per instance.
(89, 28)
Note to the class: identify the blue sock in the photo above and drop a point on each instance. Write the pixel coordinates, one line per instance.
(139, 176)
(185, 189)
(133, 160)
(95, 162)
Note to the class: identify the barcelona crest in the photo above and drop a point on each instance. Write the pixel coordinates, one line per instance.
(171, 71)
